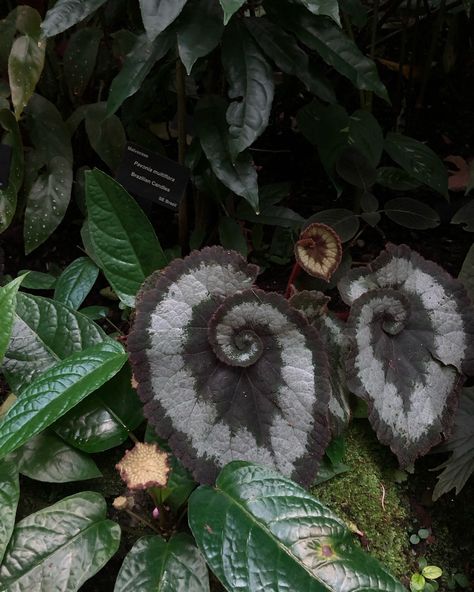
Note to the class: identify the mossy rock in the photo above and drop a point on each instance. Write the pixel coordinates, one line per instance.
(369, 500)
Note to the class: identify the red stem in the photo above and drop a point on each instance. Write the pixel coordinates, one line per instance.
(295, 272)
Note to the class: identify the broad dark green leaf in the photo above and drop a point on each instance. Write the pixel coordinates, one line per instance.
(270, 215)
(122, 237)
(9, 496)
(38, 280)
(48, 458)
(80, 59)
(47, 202)
(106, 134)
(465, 216)
(57, 391)
(260, 531)
(365, 134)
(61, 546)
(8, 194)
(466, 275)
(411, 213)
(103, 420)
(356, 169)
(168, 566)
(418, 160)
(192, 44)
(344, 222)
(67, 13)
(75, 282)
(26, 59)
(231, 235)
(396, 179)
(284, 50)
(7, 312)
(251, 88)
(7, 35)
(136, 67)
(331, 43)
(230, 7)
(157, 15)
(211, 125)
(44, 332)
(328, 8)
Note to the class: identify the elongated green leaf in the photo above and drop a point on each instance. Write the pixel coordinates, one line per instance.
(38, 280)
(283, 49)
(411, 213)
(397, 179)
(136, 67)
(192, 44)
(75, 282)
(418, 160)
(154, 564)
(7, 312)
(122, 237)
(57, 391)
(157, 15)
(106, 134)
(61, 546)
(231, 235)
(344, 222)
(465, 216)
(47, 202)
(9, 496)
(250, 86)
(105, 419)
(239, 176)
(230, 7)
(43, 333)
(80, 58)
(67, 13)
(259, 531)
(8, 194)
(328, 8)
(332, 44)
(48, 458)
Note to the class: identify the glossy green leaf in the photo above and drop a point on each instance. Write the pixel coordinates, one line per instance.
(7, 312)
(94, 313)
(231, 235)
(38, 280)
(9, 496)
(157, 15)
(251, 88)
(47, 202)
(417, 583)
(43, 333)
(49, 459)
(284, 50)
(25, 64)
(57, 391)
(192, 44)
(8, 194)
(344, 222)
(67, 13)
(211, 125)
(328, 8)
(105, 419)
(75, 282)
(411, 213)
(418, 160)
(168, 566)
(432, 572)
(122, 237)
(80, 59)
(230, 7)
(136, 67)
(397, 179)
(331, 43)
(465, 216)
(61, 546)
(106, 134)
(260, 531)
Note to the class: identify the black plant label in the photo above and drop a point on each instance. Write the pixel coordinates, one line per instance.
(5, 162)
(152, 176)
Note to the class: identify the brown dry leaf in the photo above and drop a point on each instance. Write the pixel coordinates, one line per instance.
(461, 179)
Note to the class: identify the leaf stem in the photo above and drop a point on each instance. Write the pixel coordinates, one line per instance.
(295, 272)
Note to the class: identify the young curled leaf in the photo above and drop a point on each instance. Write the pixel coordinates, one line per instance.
(412, 332)
(227, 371)
(319, 251)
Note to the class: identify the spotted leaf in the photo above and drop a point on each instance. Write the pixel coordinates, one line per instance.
(227, 371)
(319, 251)
(412, 332)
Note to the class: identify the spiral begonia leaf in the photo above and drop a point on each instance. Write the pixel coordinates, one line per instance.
(227, 371)
(412, 333)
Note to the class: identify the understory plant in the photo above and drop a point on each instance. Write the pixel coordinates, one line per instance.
(243, 392)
